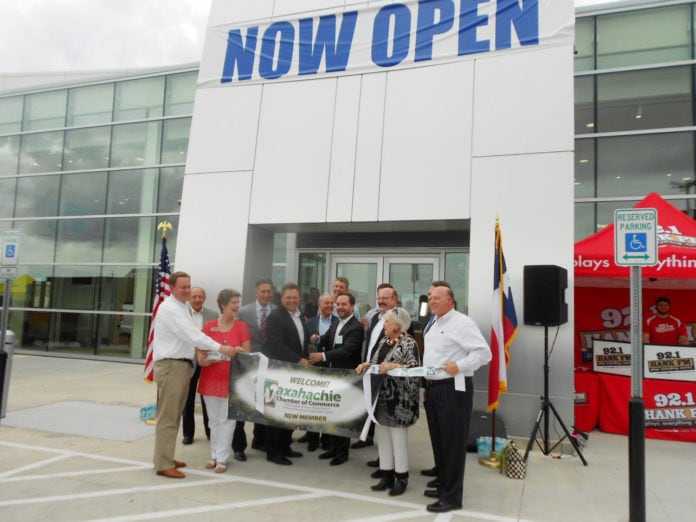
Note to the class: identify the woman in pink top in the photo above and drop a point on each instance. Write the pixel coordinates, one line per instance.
(214, 381)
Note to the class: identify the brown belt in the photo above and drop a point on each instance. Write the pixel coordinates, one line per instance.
(187, 361)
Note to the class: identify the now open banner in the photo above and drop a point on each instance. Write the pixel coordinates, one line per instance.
(288, 395)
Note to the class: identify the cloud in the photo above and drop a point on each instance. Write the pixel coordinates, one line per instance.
(49, 35)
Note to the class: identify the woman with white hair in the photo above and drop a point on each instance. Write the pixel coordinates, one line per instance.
(397, 401)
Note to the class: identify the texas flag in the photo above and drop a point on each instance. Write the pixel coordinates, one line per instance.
(504, 327)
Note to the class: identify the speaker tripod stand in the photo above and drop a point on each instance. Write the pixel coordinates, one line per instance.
(547, 407)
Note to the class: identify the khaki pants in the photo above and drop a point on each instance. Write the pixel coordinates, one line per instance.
(172, 378)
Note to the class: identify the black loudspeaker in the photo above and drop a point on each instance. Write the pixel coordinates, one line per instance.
(544, 295)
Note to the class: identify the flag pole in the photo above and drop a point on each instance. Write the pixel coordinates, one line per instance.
(503, 332)
(164, 226)
(492, 461)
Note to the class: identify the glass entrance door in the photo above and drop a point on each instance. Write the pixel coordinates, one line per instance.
(363, 274)
(410, 275)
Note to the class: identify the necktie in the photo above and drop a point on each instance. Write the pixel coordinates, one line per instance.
(262, 326)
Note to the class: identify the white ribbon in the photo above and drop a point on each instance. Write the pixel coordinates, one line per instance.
(260, 380)
(419, 371)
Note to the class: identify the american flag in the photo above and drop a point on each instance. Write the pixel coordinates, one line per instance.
(504, 328)
(162, 290)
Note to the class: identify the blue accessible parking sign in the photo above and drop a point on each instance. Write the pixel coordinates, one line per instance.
(637, 242)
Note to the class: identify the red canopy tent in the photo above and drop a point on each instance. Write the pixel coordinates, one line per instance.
(676, 238)
(602, 311)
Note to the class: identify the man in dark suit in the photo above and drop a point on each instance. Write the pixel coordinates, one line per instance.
(318, 325)
(286, 341)
(340, 348)
(255, 315)
(200, 316)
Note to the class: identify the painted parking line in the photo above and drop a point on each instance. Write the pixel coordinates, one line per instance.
(407, 509)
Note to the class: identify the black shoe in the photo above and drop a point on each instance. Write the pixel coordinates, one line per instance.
(373, 463)
(432, 493)
(441, 507)
(303, 438)
(376, 473)
(240, 456)
(435, 483)
(432, 472)
(362, 444)
(312, 446)
(400, 483)
(279, 460)
(338, 460)
(187, 440)
(292, 454)
(327, 455)
(387, 481)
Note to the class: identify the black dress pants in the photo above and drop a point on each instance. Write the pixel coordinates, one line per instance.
(449, 413)
(188, 420)
(278, 441)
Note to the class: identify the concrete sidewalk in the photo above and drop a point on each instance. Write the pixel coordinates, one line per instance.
(72, 447)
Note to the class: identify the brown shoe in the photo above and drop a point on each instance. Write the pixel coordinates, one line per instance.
(179, 464)
(171, 473)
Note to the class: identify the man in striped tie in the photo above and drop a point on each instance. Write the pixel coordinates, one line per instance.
(254, 315)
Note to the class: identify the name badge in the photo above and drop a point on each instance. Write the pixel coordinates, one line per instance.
(339, 339)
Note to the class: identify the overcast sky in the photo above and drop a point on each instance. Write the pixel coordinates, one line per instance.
(68, 35)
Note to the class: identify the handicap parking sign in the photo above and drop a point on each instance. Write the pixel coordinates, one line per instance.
(637, 242)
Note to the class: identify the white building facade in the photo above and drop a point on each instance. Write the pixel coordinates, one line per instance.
(386, 138)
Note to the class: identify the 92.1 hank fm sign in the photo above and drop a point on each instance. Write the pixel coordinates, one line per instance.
(635, 240)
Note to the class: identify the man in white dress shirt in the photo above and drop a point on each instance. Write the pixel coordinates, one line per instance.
(174, 347)
(454, 343)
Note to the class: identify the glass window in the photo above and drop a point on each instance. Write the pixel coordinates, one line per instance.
(139, 99)
(80, 240)
(11, 114)
(584, 105)
(135, 144)
(37, 196)
(36, 290)
(90, 105)
(656, 99)
(584, 168)
(9, 154)
(638, 165)
(42, 152)
(45, 110)
(38, 239)
(7, 189)
(75, 287)
(181, 89)
(585, 223)
(132, 239)
(83, 194)
(132, 191)
(644, 37)
(457, 275)
(171, 183)
(87, 148)
(584, 44)
(175, 137)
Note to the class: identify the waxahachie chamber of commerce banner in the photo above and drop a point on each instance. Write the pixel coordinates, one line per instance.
(283, 394)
